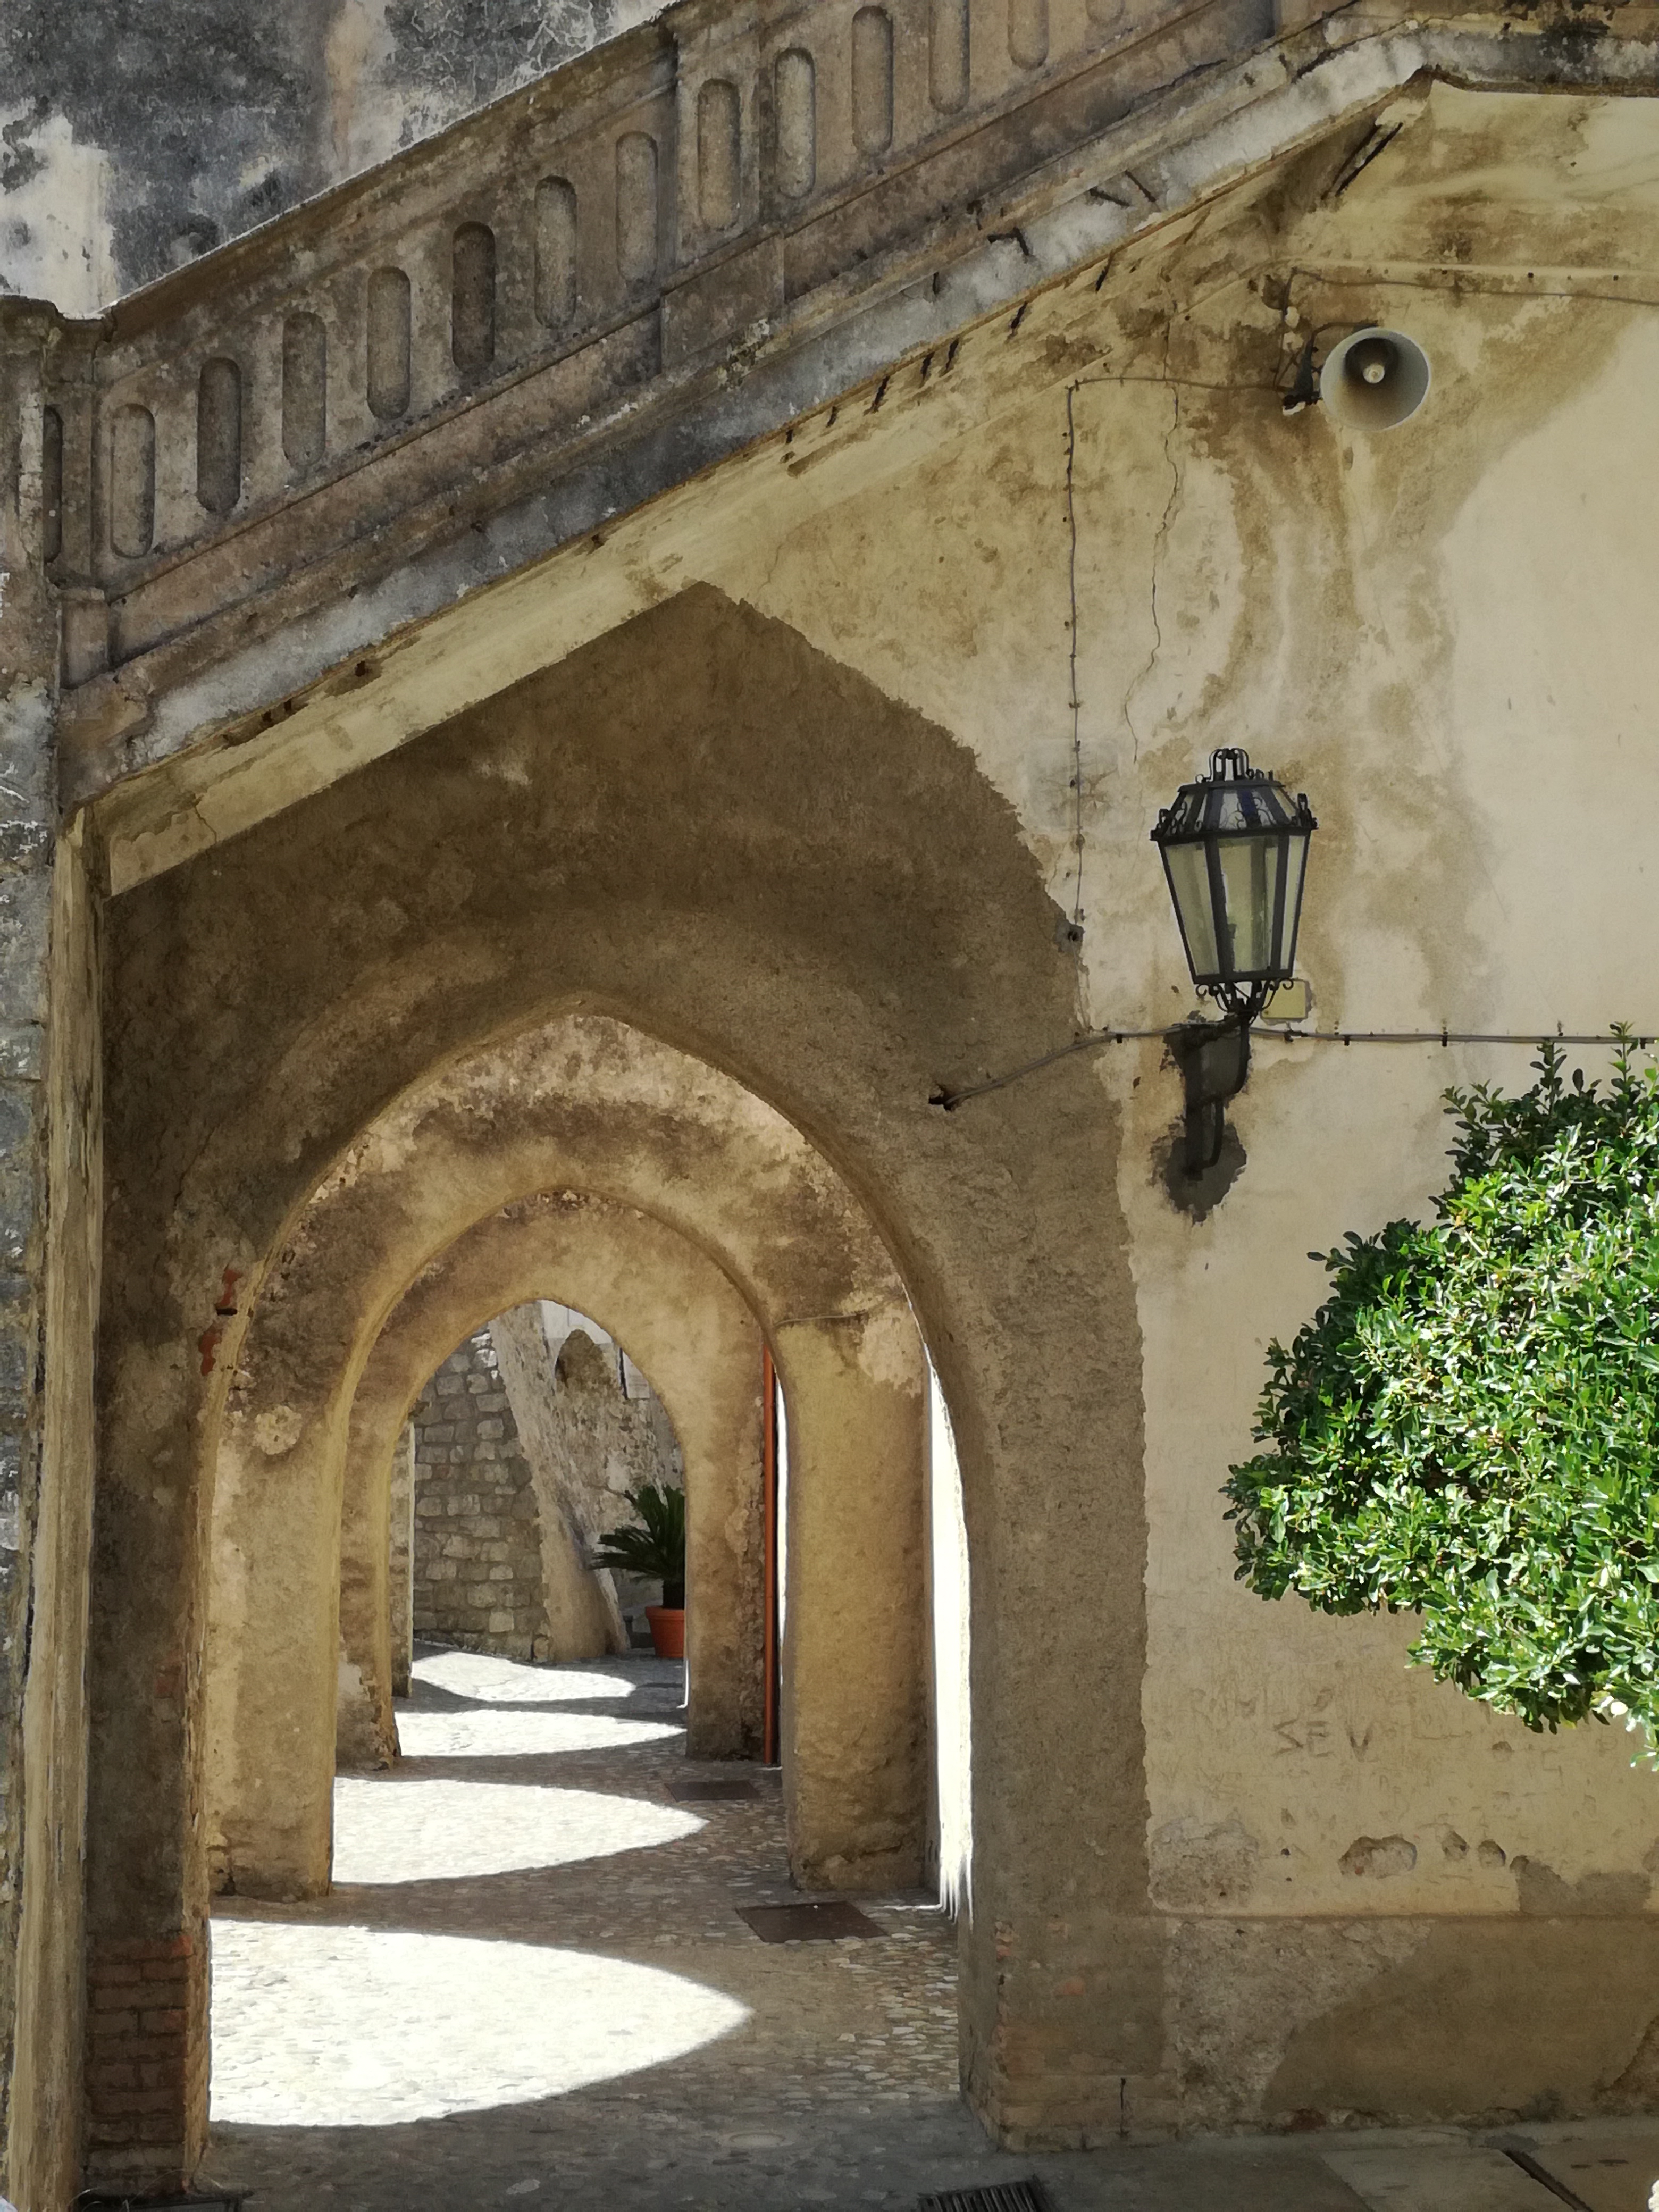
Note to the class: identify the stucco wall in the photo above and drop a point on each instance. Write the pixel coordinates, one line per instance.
(51, 1227)
(43, 2109)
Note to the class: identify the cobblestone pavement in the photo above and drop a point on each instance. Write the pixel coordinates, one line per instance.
(531, 1984)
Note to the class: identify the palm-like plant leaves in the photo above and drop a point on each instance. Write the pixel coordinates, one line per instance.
(655, 1545)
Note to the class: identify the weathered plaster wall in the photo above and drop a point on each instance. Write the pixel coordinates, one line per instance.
(28, 655)
(50, 1237)
(597, 1440)
(1299, 1762)
(856, 1393)
(477, 1534)
(134, 138)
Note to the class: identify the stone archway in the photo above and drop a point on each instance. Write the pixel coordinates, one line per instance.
(681, 1320)
(551, 1605)
(707, 824)
(584, 1102)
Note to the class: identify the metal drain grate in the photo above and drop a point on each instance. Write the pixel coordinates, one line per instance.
(996, 2196)
(806, 1924)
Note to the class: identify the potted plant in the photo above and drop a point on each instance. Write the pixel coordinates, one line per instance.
(655, 1547)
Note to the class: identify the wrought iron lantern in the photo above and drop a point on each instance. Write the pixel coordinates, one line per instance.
(1235, 848)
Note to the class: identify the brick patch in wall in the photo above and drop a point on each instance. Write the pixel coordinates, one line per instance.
(147, 2060)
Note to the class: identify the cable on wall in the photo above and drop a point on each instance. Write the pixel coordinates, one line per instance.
(949, 1100)
(1077, 703)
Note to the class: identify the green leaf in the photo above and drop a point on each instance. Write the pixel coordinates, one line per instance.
(1468, 1427)
(656, 1547)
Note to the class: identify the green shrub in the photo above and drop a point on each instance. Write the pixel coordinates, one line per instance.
(1469, 1426)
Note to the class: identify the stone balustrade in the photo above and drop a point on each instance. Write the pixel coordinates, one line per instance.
(492, 296)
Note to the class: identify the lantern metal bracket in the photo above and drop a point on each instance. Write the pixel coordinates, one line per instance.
(1214, 1059)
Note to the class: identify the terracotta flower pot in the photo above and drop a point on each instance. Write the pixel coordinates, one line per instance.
(667, 1630)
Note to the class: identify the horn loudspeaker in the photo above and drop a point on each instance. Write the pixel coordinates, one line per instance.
(1375, 379)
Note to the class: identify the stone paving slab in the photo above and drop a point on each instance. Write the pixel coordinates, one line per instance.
(1612, 2169)
(1441, 2177)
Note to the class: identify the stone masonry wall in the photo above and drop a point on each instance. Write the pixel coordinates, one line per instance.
(506, 1433)
(400, 1577)
(478, 1540)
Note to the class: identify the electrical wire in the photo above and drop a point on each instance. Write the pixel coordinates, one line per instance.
(949, 1100)
(1077, 703)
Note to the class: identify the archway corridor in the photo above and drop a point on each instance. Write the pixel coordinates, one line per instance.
(533, 1969)
(612, 1055)
(479, 1922)
(530, 1979)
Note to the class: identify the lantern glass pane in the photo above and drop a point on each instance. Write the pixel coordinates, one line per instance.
(1296, 865)
(1189, 882)
(1249, 877)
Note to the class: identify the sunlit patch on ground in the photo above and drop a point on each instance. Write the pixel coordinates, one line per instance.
(316, 2027)
(508, 1682)
(414, 2041)
(388, 1832)
(503, 1734)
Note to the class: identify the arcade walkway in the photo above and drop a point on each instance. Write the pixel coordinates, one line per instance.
(531, 1985)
